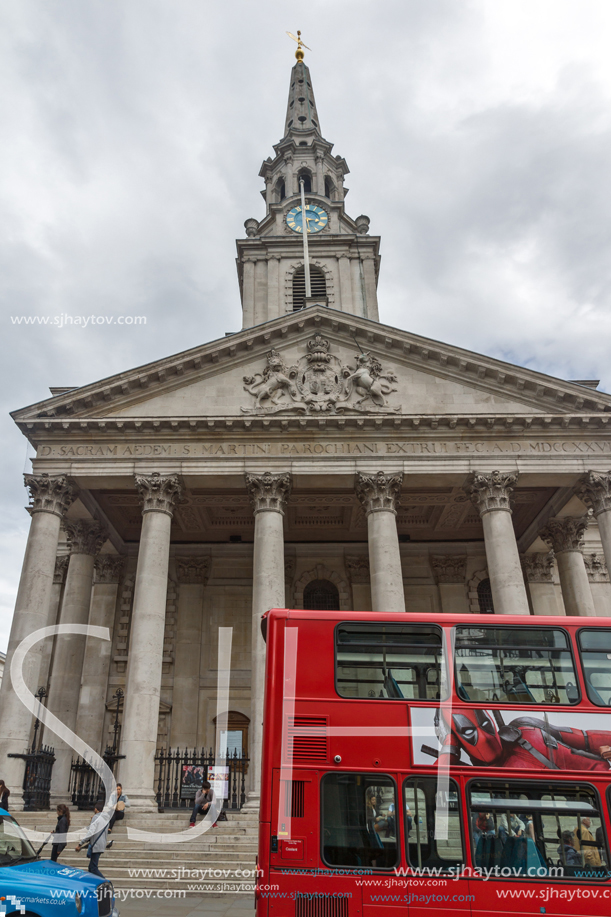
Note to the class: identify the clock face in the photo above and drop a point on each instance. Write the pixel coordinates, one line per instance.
(315, 217)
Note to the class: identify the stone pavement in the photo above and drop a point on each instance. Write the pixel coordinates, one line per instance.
(212, 905)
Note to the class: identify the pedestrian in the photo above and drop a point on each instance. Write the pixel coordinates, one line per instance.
(96, 836)
(203, 800)
(62, 827)
(4, 795)
(121, 801)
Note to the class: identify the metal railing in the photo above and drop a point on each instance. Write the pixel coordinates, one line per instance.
(179, 774)
(86, 785)
(37, 778)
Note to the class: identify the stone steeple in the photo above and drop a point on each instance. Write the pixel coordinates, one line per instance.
(344, 259)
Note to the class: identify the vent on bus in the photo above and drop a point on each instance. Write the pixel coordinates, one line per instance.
(293, 802)
(321, 906)
(307, 738)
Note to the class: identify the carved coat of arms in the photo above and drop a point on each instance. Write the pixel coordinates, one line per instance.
(318, 382)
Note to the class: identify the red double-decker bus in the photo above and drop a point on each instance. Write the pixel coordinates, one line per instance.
(412, 767)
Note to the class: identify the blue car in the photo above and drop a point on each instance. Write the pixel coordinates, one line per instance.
(40, 886)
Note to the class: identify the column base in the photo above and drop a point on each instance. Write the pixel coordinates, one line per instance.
(253, 802)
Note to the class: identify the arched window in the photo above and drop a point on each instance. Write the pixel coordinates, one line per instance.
(484, 597)
(233, 739)
(307, 182)
(321, 595)
(317, 283)
(281, 190)
(329, 188)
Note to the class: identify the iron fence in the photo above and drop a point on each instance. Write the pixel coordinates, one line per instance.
(179, 773)
(86, 785)
(37, 778)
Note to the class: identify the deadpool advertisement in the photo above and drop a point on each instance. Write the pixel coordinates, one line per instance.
(527, 739)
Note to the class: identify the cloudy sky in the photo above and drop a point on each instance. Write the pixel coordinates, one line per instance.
(478, 134)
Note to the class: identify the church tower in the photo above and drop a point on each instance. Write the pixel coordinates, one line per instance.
(344, 259)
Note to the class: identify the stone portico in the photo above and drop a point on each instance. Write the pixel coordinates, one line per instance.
(316, 458)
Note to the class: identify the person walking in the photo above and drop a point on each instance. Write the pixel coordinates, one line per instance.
(4, 795)
(62, 827)
(121, 801)
(203, 800)
(96, 836)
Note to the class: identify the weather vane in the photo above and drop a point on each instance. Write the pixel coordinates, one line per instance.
(300, 45)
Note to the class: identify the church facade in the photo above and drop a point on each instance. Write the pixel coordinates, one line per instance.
(315, 459)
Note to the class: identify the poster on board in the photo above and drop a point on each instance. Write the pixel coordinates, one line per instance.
(192, 778)
(525, 738)
(219, 778)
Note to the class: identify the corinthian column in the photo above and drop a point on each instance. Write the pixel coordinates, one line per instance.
(159, 494)
(96, 666)
(50, 497)
(85, 538)
(379, 495)
(268, 493)
(594, 489)
(192, 574)
(565, 536)
(491, 494)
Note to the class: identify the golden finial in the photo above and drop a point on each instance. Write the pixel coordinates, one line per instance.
(300, 45)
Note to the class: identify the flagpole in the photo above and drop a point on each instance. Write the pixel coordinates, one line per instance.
(306, 257)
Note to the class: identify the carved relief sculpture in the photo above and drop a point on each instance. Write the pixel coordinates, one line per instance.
(449, 568)
(85, 537)
(108, 568)
(269, 492)
(596, 567)
(537, 567)
(594, 489)
(492, 491)
(319, 383)
(192, 570)
(379, 493)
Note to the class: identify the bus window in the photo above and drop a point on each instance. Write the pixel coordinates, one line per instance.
(389, 661)
(538, 829)
(526, 665)
(426, 810)
(595, 647)
(359, 820)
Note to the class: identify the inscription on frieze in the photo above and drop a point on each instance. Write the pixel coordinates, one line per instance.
(218, 447)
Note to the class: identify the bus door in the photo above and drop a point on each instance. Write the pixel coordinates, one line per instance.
(434, 848)
(539, 847)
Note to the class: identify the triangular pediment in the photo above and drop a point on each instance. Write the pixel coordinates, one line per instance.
(399, 375)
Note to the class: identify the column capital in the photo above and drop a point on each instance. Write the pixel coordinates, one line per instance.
(49, 493)
(85, 536)
(594, 489)
(449, 568)
(357, 568)
(269, 492)
(192, 570)
(537, 567)
(61, 568)
(490, 492)
(379, 493)
(108, 568)
(159, 493)
(566, 534)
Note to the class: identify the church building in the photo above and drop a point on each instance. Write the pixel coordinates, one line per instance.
(317, 458)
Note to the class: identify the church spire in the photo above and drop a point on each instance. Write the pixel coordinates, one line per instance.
(301, 121)
(301, 116)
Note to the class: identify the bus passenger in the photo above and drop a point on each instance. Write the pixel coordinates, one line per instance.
(566, 851)
(586, 844)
